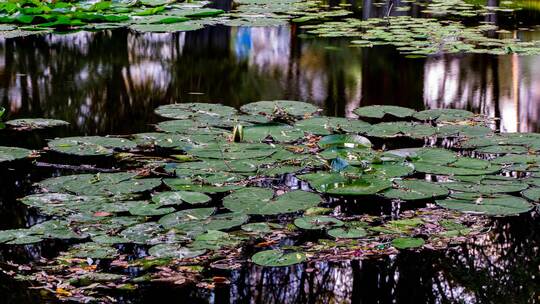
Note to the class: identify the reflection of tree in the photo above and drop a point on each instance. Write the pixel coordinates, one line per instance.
(500, 267)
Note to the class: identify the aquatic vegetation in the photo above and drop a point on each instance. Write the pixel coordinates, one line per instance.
(203, 194)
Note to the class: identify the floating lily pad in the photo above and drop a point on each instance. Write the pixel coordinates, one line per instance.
(260, 201)
(328, 125)
(93, 251)
(347, 141)
(8, 154)
(347, 232)
(278, 258)
(90, 145)
(501, 205)
(215, 240)
(107, 184)
(194, 110)
(232, 151)
(177, 197)
(180, 217)
(278, 132)
(380, 112)
(317, 222)
(359, 186)
(35, 123)
(175, 251)
(280, 108)
(407, 243)
(409, 190)
(444, 115)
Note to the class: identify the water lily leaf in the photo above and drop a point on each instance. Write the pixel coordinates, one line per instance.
(163, 140)
(278, 132)
(180, 184)
(360, 186)
(34, 123)
(177, 197)
(8, 154)
(444, 115)
(328, 125)
(343, 140)
(426, 155)
(189, 111)
(532, 194)
(260, 201)
(222, 221)
(232, 151)
(317, 222)
(379, 112)
(257, 227)
(146, 209)
(463, 166)
(500, 149)
(106, 184)
(93, 251)
(391, 169)
(175, 251)
(14, 234)
(278, 258)
(280, 108)
(347, 232)
(141, 233)
(90, 145)
(174, 219)
(407, 243)
(400, 129)
(409, 190)
(215, 240)
(502, 205)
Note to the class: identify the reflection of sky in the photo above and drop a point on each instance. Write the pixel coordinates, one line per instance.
(269, 61)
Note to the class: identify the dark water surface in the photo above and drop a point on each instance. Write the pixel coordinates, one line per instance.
(109, 82)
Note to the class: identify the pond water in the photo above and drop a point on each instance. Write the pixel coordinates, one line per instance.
(110, 82)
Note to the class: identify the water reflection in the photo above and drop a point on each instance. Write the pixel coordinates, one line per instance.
(499, 268)
(98, 81)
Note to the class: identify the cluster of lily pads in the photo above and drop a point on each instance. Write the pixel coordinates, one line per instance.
(423, 36)
(26, 17)
(214, 184)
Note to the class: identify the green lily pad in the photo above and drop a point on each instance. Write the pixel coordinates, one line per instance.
(146, 209)
(215, 240)
(194, 110)
(180, 217)
(409, 190)
(177, 197)
(93, 251)
(106, 184)
(379, 112)
(8, 154)
(502, 205)
(328, 125)
(444, 115)
(359, 186)
(35, 123)
(174, 251)
(260, 201)
(278, 132)
(407, 243)
(342, 140)
(232, 151)
(90, 145)
(280, 108)
(317, 222)
(347, 232)
(278, 258)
